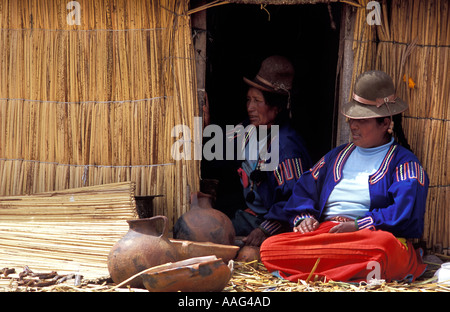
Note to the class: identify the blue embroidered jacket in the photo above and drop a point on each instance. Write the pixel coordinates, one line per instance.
(398, 191)
(276, 188)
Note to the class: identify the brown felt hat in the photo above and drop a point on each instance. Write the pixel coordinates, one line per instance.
(374, 96)
(275, 75)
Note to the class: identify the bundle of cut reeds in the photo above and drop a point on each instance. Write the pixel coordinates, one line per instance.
(364, 43)
(94, 103)
(66, 230)
(425, 83)
(414, 49)
(412, 45)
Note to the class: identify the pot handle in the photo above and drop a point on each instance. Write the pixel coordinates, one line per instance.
(165, 230)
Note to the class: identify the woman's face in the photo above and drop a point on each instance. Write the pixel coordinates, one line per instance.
(258, 111)
(368, 132)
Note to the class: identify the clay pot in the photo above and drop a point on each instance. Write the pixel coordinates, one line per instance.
(249, 254)
(203, 223)
(189, 249)
(142, 247)
(199, 274)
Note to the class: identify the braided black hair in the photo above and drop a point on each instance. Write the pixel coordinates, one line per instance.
(280, 101)
(276, 99)
(398, 130)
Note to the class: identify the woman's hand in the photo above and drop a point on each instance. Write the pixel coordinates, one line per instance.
(255, 238)
(307, 225)
(344, 227)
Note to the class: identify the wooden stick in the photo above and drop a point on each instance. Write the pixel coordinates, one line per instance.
(313, 270)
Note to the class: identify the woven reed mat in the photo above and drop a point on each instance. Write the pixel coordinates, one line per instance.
(69, 231)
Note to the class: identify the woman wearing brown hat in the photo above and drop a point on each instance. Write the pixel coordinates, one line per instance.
(357, 207)
(266, 191)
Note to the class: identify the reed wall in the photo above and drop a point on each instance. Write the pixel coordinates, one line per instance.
(95, 103)
(412, 44)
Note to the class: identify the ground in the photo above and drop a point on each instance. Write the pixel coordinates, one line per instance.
(250, 277)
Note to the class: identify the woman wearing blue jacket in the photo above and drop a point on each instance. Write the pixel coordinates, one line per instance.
(268, 162)
(355, 211)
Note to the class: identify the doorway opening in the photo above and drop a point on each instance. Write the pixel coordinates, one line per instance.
(241, 36)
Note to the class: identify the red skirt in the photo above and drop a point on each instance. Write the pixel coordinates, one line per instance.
(347, 257)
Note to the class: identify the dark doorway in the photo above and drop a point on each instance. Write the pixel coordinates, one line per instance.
(241, 36)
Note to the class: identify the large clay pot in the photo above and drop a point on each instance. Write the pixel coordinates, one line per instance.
(203, 223)
(142, 247)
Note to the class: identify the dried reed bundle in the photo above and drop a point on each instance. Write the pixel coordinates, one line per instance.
(364, 44)
(65, 230)
(95, 103)
(413, 47)
(207, 6)
(423, 26)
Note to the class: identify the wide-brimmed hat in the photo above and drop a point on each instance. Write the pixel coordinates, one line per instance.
(374, 96)
(275, 75)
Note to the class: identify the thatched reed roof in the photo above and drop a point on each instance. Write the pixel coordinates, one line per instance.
(281, 2)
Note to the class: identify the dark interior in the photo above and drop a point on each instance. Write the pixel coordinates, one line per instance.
(241, 36)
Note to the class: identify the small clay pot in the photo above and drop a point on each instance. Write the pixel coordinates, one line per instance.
(203, 223)
(199, 274)
(142, 247)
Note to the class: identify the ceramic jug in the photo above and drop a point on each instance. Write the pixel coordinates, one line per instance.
(142, 247)
(203, 223)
